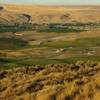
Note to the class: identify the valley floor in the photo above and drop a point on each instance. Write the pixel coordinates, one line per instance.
(36, 48)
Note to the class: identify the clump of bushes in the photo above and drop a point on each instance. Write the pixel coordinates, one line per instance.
(12, 43)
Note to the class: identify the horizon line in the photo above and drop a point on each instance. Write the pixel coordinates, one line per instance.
(50, 4)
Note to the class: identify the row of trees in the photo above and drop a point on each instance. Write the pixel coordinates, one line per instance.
(25, 26)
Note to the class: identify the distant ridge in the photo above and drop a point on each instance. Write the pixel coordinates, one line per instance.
(48, 14)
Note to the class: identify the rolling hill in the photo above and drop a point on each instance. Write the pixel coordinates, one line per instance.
(49, 14)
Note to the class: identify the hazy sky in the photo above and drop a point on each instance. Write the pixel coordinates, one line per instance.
(58, 2)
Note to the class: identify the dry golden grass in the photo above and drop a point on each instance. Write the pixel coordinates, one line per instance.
(54, 14)
(80, 81)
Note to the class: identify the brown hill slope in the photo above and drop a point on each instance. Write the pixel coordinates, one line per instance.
(55, 14)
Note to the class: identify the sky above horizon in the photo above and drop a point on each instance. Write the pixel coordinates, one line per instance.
(53, 2)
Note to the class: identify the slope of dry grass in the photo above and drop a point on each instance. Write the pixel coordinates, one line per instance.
(50, 14)
(80, 81)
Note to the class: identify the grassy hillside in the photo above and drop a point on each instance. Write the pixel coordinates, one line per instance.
(52, 82)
